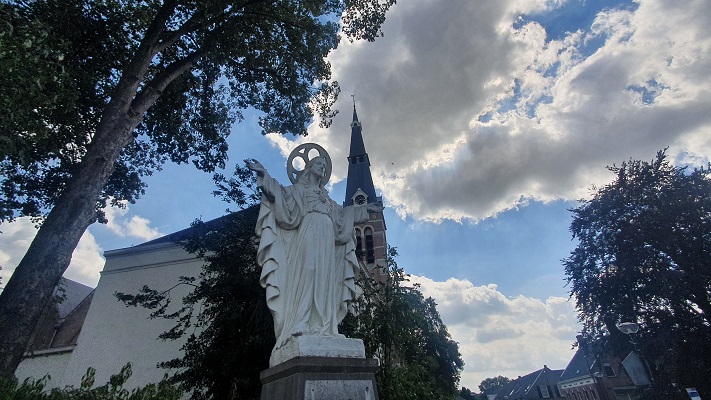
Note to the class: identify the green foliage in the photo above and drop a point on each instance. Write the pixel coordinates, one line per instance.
(467, 394)
(176, 74)
(497, 381)
(419, 359)
(225, 317)
(644, 255)
(29, 389)
(226, 320)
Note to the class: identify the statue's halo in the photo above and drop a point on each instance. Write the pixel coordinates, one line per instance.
(302, 151)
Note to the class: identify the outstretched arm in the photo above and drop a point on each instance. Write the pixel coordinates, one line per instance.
(255, 166)
(262, 176)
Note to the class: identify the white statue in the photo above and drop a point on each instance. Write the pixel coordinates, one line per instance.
(307, 249)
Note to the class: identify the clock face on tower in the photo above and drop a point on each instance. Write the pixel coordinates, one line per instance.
(360, 199)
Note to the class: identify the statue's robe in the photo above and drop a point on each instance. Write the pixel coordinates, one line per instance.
(307, 255)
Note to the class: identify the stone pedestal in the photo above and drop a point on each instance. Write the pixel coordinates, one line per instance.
(320, 368)
(318, 346)
(321, 378)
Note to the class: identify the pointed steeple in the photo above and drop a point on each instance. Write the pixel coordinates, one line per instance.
(371, 243)
(357, 145)
(360, 181)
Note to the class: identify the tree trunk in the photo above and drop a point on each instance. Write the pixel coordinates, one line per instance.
(32, 285)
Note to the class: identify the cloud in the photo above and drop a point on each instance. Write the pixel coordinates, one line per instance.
(486, 109)
(16, 237)
(87, 260)
(498, 335)
(135, 226)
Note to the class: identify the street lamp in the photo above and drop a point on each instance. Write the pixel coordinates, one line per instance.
(629, 329)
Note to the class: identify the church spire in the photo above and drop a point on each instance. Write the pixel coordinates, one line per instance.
(371, 243)
(360, 181)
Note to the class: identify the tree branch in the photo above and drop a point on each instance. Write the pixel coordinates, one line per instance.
(152, 91)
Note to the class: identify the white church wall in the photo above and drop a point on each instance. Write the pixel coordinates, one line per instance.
(114, 334)
(47, 362)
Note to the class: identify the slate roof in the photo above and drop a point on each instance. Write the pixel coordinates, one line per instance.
(61, 321)
(191, 231)
(526, 387)
(577, 368)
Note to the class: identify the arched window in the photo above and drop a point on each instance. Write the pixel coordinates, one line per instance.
(359, 245)
(369, 249)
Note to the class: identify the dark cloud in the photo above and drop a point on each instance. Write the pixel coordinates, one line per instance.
(555, 112)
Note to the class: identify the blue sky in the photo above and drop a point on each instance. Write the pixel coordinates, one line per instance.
(484, 121)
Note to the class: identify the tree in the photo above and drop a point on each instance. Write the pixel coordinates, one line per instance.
(497, 381)
(140, 83)
(418, 358)
(467, 394)
(644, 255)
(226, 304)
(29, 389)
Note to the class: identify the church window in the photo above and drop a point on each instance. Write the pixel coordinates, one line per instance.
(359, 245)
(369, 249)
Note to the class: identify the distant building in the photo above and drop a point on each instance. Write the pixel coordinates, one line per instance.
(541, 384)
(597, 374)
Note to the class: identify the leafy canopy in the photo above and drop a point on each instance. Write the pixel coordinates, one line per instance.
(497, 381)
(186, 69)
(402, 329)
(644, 255)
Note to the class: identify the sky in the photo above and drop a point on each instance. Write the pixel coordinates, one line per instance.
(485, 122)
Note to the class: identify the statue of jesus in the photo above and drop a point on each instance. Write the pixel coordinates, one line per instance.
(306, 248)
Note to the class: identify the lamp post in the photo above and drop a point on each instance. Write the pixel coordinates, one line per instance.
(629, 329)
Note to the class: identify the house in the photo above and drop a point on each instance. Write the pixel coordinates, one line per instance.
(541, 384)
(595, 373)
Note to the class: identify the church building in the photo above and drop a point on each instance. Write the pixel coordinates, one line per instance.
(91, 328)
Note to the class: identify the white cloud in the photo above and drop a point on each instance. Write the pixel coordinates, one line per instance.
(16, 237)
(421, 95)
(135, 226)
(498, 335)
(87, 260)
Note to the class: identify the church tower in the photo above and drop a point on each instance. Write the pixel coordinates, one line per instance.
(371, 245)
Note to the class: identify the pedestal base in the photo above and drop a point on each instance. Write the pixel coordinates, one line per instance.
(318, 346)
(321, 378)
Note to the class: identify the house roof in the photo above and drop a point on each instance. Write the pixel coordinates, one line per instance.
(193, 230)
(526, 387)
(73, 293)
(61, 320)
(578, 366)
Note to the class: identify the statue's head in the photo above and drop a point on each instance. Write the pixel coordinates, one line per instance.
(316, 166)
(320, 164)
